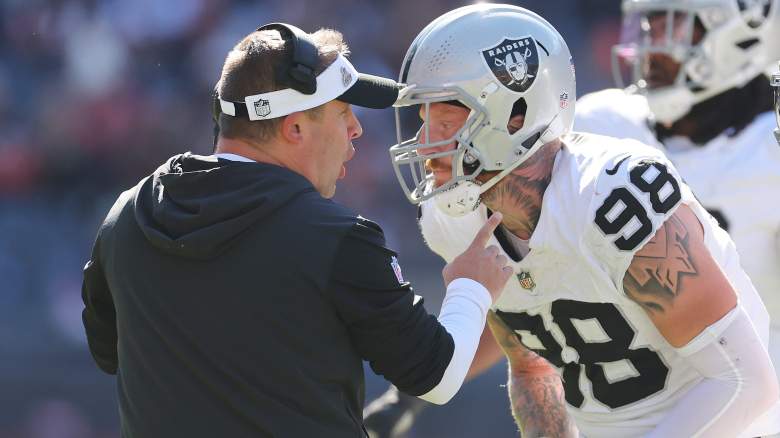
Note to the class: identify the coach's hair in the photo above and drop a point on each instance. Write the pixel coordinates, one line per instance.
(251, 68)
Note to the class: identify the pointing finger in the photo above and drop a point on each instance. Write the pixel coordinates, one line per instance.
(484, 233)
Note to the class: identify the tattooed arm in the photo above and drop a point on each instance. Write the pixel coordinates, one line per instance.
(535, 389)
(675, 279)
(694, 306)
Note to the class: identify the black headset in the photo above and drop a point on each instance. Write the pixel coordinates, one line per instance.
(305, 58)
(299, 75)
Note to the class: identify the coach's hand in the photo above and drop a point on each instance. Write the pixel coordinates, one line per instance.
(483, 265)
(392, 414)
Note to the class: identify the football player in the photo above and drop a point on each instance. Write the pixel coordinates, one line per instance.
(629, 314)
(697, 89)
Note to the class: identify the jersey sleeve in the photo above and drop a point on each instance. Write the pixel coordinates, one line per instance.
(386, 321)
(635, 193)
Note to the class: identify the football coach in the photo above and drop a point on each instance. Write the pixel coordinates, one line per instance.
(232, 297)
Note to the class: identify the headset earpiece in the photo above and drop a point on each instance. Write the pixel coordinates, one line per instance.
(299, 76)
(305, 57)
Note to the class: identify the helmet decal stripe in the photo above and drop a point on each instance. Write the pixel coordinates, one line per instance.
(546, 52)
(408, 63)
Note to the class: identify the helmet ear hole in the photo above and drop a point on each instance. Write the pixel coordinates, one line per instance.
(470, 163)
(517, 116)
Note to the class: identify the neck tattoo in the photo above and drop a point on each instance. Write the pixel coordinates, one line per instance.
(518, 196)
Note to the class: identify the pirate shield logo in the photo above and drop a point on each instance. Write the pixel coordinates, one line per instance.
(514, 62)
(262, 108)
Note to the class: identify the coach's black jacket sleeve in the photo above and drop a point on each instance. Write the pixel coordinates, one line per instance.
(99, 315)
(388, 327)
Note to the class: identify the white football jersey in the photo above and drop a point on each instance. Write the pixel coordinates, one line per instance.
(737, 179)
(606, 199)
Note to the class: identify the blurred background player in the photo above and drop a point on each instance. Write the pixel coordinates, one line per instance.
(697, 89)
(625, 286)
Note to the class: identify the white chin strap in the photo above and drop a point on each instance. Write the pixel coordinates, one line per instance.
(339, 77)
(670, 104)
(465, 196)
(460, 200)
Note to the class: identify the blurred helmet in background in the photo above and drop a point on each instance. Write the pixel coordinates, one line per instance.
(682, 52)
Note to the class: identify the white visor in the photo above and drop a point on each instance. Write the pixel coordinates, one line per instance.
(339, 81)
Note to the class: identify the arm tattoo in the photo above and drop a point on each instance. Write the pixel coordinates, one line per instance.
(538, 405)
(535, 389)
(654, 278)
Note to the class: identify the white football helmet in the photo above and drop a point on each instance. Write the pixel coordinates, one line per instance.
(776, 85)
(487, 57)
(741, 39)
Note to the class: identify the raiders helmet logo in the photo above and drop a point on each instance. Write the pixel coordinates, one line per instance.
(514, 62)
(262, 108)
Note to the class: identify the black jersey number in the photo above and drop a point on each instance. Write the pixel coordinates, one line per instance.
(651, 371)
(664, 191)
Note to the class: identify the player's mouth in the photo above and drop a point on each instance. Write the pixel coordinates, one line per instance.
(659, 73)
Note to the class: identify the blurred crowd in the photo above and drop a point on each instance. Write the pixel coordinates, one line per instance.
(94, 94)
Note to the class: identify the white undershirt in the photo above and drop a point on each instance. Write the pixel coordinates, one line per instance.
(233, 157)
(521, 246)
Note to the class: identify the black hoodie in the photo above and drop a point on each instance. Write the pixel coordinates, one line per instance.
(232, 300)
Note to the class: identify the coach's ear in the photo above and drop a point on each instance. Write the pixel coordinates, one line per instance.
(294, 128)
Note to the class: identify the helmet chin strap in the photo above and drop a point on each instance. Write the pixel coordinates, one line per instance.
(465, 196)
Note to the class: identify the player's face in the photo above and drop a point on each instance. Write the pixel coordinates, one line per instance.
(444, 121)
(661, 69)
(333, 133)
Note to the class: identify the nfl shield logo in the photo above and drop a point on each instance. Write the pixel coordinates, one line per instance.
(564, 100)
(514, 62)
(526, 282)
(346, 77)
(262, 108)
